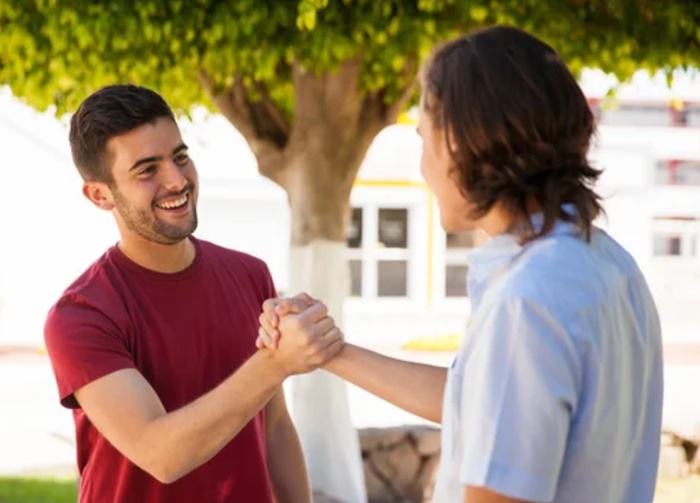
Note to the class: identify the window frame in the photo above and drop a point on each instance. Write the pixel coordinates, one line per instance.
(371, 199)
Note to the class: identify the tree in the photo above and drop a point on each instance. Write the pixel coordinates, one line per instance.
(309, 83)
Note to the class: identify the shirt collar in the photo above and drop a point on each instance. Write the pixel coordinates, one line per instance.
(495, 253)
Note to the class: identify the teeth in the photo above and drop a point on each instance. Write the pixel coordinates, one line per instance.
(169, 205)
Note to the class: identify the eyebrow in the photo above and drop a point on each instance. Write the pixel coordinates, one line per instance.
(156, 158)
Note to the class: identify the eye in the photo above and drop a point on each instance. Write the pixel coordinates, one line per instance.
(181, 159)
(148, 170)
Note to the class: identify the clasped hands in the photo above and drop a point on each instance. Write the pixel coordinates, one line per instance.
(299, 333)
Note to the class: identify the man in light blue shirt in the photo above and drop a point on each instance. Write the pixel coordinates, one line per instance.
(556, 392)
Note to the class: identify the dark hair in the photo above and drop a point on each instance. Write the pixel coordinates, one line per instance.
(109, 112)
(517, 125)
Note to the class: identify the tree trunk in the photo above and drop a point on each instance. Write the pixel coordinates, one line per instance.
(315, 158)
(319, 404)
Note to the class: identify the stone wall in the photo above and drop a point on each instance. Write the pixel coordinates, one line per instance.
(680, 455)
(400, 463)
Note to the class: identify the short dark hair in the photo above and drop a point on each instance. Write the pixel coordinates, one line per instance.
(111, 111)
(520, 127)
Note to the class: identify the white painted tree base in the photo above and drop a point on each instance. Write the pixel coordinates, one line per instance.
(319, 403)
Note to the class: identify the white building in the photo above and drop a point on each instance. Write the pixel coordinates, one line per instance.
(408, 277)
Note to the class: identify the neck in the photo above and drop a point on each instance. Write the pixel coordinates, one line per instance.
(156, 257)
(499, 221)
(495, 222)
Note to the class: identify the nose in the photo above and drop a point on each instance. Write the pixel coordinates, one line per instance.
(173, 178)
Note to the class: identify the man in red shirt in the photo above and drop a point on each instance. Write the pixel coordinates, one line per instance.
(153, 347)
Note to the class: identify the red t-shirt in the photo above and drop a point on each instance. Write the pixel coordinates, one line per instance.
(186, 333)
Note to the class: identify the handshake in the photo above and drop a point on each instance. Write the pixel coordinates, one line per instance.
(298, 333)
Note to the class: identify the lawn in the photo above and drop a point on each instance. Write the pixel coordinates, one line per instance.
(26, 490)
(686, 490)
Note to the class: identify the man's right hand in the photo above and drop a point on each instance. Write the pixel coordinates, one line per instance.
(273, 310)
(299, 331)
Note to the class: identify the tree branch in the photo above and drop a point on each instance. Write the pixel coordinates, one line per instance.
(275, 116)
(261, 124)
(377, 114)
(231, 103)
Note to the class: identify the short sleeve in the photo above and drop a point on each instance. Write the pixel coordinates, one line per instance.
(518, 391)
(270, 289)
(83, 345)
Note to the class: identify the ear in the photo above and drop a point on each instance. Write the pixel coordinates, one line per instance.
(99, 194)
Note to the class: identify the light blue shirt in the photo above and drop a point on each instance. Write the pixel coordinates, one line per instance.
(556, 392)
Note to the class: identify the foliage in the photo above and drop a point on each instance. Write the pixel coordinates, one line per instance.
(58, 51)
(27, 490)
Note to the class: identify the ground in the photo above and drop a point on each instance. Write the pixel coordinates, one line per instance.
(37, 457)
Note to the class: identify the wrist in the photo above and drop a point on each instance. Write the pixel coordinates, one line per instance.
(332, 364)
(274, 367)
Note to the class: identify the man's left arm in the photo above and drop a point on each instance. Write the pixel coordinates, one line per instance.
(285, 459)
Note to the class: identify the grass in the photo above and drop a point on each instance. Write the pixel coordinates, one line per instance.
(31, 490)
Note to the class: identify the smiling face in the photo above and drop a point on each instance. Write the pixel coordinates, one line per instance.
(153, 192)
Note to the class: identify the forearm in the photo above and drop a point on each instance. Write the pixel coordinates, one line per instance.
(188, 437)
(414, 387)
(286, 465)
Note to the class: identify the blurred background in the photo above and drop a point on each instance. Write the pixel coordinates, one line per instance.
(396, 281)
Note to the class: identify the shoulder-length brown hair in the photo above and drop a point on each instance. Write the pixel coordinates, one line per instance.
(518, 128)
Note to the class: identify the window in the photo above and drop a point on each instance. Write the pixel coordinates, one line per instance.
(393, 228)
(354, 252)
(355, 278)
(456, 269)
(378, 252)
(676, 172)
(355, 229)
(456, 280)
(667, 245)
(392, 252)
(693, 114)
(392, 278)
(615, 113)
(676, 237)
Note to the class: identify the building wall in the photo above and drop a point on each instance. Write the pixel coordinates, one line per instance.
(53, 233)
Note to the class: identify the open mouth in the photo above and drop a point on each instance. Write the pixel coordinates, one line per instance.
(174, 203)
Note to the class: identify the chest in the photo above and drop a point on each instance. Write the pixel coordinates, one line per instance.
(187, 337)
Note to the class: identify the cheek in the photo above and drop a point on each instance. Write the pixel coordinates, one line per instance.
(434, 172)
(423, 165)
(191, 172)
(429, 166)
